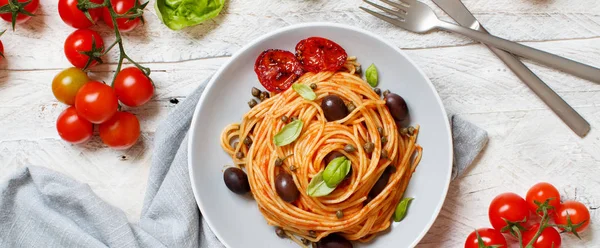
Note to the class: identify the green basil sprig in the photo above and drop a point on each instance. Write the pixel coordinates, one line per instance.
(317, 187)
(371, 75)
(304, 91)
(401, 209)
(288, 133)
(336, 171)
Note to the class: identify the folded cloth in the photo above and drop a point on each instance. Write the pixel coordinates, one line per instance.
(42, 208)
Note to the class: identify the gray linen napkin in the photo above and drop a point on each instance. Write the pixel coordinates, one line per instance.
(42, 208)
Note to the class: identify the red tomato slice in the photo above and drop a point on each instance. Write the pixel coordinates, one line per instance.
(319, 54)
(277, 70)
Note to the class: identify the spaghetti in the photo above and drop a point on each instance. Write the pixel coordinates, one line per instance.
(313, 218)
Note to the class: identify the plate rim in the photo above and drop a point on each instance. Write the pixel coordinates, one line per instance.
(211, 83)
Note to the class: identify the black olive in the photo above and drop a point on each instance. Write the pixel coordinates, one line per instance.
(397, 106)
(236, 180)
(381, 182)
(334, 108)
(331, 156)
(334, 241)
(286, 188)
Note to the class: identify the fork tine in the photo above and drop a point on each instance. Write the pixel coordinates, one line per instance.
(396, 13)
(397, 5)
(407, 2)
(384, 17)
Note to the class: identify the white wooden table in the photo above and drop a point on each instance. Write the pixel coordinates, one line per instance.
(528, 143)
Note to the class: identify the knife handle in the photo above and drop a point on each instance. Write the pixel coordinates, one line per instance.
(566, 113)
(573, 67)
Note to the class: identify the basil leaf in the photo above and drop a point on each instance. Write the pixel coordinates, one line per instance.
(288, 133)
(401, 209)
(317, 187)
(304, 91)
(336, 171)
(371, 75)
(178, 14)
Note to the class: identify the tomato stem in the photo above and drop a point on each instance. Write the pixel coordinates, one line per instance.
(122, 54)
(543, 223)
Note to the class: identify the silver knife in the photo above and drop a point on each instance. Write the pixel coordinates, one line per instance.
(457, 10)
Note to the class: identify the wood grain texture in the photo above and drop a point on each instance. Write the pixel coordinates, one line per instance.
(528, 143)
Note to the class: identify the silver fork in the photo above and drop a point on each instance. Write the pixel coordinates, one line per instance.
(417, 17)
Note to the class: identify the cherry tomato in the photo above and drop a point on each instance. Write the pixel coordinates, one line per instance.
(540, 193)
(72, 16)
(66, 84)
(133, 87)
(121, 131)
(31, 8)
(507, 206)
(121, 7)
(489, 236)
(548, 239)
(73, 128)
(578, 213)
(277, 70)
(81, 41)
(319, 54)
(1, 50)
(96, 102)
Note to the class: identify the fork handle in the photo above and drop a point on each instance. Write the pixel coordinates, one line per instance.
(569, 66)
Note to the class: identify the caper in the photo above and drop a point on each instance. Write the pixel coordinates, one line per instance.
(411, 130)
(239, 155)
(252, 103)
(377, 91)
(284, 119)
(264, 95)
(313, 86)
(404, 131)
(280, 232)
(385, 92)
(350, 107)
(312, 233)
(248, 141)
(278, 162)
(380, 130)
(305, 241)
(349, 148)
(358, 69)
(255, 92)
(383, 140)
(292, 168)
(369, 147)
(384, 154)
(339, 214)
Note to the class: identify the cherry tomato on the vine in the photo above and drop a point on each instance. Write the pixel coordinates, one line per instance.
(73, 128)
(540, 192)
(72, 16)
(96, 102)
(578, 213)
(121, 131)
(507, 206)
(489, 236)
(83, 40)
(133, 87)
(121, 7)
(66, 84)
(30, 7)
(550, 238)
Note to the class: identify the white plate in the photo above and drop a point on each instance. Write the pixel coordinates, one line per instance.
(236, 220)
